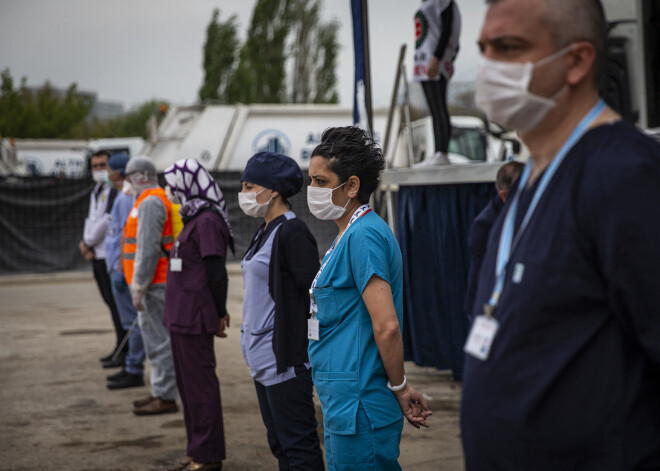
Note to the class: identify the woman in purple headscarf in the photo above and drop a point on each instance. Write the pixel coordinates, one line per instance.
(195, 308)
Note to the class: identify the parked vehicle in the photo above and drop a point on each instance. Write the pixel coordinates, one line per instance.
(59, 157)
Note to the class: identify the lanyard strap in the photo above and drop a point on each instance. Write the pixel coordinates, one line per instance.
(361, 211)
(509, 240)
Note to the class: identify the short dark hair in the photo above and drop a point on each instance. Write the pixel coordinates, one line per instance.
(583, 20)
(102, 153)
(507, 174)
(350, 150)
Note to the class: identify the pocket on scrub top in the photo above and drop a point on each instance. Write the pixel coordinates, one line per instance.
(328, 313)
(259, 346)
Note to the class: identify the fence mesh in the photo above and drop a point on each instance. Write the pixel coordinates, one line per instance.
(42, 220)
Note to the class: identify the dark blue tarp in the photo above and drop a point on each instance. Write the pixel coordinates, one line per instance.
(433, 222)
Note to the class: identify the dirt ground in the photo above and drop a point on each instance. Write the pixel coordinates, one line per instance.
(57, 413)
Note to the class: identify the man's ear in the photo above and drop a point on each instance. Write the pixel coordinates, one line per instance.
(503, 194)
(581, 60)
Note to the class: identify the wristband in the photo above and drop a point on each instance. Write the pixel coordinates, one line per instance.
(399, 387)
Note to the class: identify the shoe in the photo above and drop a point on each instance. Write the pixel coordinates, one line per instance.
(181, 465)
(143, 402)
(107, 357)
(436, 159)
(117, 376)
(128, 381)
(192, 466)
(116, 363)
(157, 406)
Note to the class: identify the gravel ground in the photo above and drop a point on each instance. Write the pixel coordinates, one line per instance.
(57, 413)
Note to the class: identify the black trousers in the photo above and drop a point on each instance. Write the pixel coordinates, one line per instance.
(436, 97)
(103, 281)
(287, 410)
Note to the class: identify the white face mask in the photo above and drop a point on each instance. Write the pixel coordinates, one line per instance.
(320, 203)
(127, 187)
(99, 176)
(172, 196)
(502, 92)
(250, 206)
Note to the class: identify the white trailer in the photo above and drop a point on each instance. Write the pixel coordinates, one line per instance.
(224, 137)
(59, 157)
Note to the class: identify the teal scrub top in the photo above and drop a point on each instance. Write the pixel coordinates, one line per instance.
(346, 366)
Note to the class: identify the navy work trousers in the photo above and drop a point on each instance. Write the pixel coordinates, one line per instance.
(287, 410)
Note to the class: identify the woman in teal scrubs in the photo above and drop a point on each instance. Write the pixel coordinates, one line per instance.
(355, 348)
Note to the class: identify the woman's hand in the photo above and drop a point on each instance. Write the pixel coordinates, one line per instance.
(224, 324)
(414, 407)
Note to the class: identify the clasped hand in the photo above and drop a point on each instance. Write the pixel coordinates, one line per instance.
(414, 406)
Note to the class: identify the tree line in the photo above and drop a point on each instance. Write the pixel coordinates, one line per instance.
(289, 56)
(286, 38)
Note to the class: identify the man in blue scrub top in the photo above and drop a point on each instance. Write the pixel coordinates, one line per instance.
(562, 369)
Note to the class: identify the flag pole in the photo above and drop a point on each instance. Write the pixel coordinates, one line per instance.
(367, 66)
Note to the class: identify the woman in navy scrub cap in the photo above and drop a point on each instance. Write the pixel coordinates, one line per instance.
(278, 269)
(355, 347)
(195, 299)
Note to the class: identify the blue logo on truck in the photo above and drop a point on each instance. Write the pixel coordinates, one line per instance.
(272, 140)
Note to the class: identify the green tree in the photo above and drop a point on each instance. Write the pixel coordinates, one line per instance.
(261, 74)
(314, 50)
(325, 73)
(220, 50)
(131, 124)
(41, 113)
(282, 33)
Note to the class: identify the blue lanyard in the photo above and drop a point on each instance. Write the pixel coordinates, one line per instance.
(507, 240)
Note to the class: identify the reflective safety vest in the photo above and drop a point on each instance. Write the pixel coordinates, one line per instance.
(130, 237)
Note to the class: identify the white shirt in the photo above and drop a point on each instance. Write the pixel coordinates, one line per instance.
(96, 223)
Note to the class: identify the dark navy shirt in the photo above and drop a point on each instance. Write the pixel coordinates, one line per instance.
(477, 242)
(573, 377)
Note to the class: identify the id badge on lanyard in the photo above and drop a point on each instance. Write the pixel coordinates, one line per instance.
(485, 327)
(176, 264)
(481, 337)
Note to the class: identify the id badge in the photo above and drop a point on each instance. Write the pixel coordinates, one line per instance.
(176, 264)
(313, 328)
(481, 337)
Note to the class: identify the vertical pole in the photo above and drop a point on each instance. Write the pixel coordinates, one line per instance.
(367, 66)
(406, 114)
(390, 113)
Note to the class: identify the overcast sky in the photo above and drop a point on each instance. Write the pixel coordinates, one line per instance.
(130, 51)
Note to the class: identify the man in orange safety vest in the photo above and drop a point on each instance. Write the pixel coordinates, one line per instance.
(147, 241)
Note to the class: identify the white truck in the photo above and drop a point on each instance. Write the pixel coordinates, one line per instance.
(58, 157)
(224, 137)
(631, 82)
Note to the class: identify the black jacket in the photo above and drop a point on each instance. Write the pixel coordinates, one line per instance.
(294, 262)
